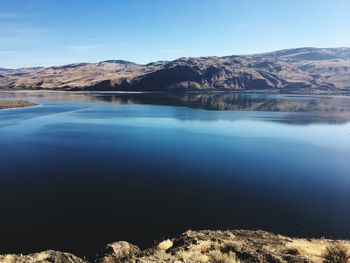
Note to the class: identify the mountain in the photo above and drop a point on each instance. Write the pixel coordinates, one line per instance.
(309, 53)
(291, 69)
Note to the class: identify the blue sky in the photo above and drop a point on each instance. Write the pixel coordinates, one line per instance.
(56, 32)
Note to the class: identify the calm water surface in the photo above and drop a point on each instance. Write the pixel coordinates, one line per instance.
(81, 170)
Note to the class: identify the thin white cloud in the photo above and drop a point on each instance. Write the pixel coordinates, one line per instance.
(13, 34)
(9, 40)
(14, 28)
(86, 47)
(7, 52)
(252, 25)
(169, 51)
(9, 16)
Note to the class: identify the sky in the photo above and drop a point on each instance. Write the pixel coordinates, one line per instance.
(57, 32)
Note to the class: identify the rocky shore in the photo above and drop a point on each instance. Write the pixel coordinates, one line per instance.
(232, 246)
(7, 104)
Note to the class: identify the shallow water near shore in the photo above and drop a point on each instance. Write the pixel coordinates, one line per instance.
(84, 169)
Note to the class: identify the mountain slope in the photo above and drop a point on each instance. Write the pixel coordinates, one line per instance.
(292, 69)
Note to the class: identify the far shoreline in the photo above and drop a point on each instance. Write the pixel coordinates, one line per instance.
(13, 104)
(205, 91)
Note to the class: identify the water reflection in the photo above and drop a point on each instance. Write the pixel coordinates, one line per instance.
(89, 172)
(306, 109)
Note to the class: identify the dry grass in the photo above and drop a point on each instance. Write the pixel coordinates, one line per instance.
(236, 246)
(214, 256)
(219, 257)
(42, 257)
(311, 249)
(192, 256)
(336, 253)
(319, 250)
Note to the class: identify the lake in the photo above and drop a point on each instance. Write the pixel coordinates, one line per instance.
(83, 169)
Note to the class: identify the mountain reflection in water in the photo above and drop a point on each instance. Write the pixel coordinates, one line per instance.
(300, 109)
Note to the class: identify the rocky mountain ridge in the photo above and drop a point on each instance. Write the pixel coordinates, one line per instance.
(291, 69)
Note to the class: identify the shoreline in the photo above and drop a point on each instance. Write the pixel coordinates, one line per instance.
(230, 246)
(14, 104)
(242, 91)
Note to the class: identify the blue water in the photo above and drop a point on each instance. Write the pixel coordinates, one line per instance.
(81, 170)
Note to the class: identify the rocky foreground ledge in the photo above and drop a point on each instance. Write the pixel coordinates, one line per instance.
(210, 246)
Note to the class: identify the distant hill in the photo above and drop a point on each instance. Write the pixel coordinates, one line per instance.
(291, 69)
(310, 53)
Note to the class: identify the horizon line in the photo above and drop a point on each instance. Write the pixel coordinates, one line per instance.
(144, 64)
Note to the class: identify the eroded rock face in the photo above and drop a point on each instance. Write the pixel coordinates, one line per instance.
(118, 252)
